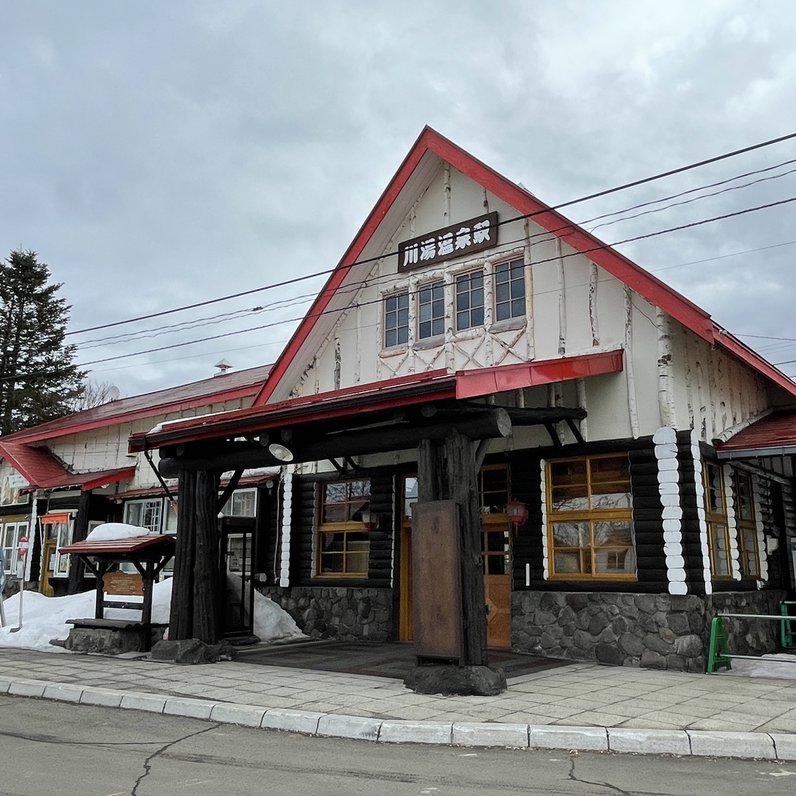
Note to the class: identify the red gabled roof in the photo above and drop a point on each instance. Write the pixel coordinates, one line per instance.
(619, 266)
(773, 435)
(226, 387)
(42, 470)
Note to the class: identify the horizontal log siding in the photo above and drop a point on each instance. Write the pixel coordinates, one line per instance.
(647, 520)
(692, 544)
(304, 521)
(269, 532)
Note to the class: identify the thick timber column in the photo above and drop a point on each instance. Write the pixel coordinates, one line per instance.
(206, 576)
(448, 471)
(181, 613)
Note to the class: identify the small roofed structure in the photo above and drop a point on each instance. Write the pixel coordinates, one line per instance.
(149, 554)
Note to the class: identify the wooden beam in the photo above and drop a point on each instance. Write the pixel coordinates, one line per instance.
(235, 455)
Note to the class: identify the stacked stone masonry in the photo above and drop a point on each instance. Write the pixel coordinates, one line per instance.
(648, 630)
(346, 614)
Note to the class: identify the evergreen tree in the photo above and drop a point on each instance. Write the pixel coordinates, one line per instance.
(38, 376)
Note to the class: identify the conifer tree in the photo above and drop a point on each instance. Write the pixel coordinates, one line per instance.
(38, 376)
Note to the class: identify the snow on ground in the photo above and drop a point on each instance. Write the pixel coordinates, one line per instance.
(44, 618)
(781, 665)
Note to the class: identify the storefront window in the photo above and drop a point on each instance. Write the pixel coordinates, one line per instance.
(589, 518)
(343, 536)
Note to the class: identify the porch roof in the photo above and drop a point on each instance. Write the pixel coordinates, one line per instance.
(152, 544)
(381, 399)
(42, 470)
(773, 435)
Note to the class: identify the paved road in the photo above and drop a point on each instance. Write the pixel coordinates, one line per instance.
(49, 747)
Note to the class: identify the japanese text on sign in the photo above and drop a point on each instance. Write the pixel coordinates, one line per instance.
(467, 237)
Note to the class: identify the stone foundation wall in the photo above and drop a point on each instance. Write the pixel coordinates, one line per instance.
(657, 631)
(347, 614)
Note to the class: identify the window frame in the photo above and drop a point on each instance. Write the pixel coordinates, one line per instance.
(469, 290)
(143, 503)
(396, 319)
(349, 528)
(240, 494)
(515, 263)
(18, 529)
(716, 518)
(436, 323)
(746, 524)
(592, 516)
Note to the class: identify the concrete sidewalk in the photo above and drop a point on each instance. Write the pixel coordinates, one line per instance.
(579, 707)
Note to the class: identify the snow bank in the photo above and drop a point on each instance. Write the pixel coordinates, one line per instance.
(44, 618)
(117, 530)
(781, 665)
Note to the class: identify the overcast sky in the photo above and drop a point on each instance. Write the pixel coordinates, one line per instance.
(157, 154)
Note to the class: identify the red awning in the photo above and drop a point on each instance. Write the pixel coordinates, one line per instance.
(55, 517)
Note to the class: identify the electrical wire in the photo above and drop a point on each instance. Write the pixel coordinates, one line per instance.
(569, 203)
(601, 247)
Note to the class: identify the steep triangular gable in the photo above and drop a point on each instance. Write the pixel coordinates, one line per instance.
(619, 266)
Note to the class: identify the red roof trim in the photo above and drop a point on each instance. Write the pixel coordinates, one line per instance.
(390, 194)
(227, 387)
(41, 433)
(392, 393)
(648, 286)
(472, 383)
(107, 477)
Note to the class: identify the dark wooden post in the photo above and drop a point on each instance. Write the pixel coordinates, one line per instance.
(447, 470)
(76, 566)
(181, 610)
(206, 581)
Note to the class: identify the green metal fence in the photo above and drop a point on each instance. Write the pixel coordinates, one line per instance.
(719, 655)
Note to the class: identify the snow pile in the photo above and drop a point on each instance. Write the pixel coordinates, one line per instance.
(271, 623)
(44, 618)
(109, 531)
(780, 665)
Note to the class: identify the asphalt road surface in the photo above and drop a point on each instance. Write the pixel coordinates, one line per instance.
(50, 747)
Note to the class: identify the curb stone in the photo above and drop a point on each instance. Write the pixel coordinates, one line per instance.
(708, 743)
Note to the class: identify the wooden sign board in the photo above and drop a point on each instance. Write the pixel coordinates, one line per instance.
(436, 580)
(123, 583)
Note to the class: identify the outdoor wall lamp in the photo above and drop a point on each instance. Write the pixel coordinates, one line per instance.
(279, 451)
(369, 519)
(517, 511)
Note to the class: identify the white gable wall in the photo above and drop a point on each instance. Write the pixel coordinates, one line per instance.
(671, 376)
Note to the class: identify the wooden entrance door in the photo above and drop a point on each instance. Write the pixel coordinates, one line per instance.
(496, 548)
(497, 584)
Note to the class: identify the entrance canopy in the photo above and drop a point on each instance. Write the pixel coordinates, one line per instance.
(390, 415)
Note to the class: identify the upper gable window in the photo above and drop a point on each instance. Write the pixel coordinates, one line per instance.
(431, 310)
(396, 319)
(509, 290)
(470, 300)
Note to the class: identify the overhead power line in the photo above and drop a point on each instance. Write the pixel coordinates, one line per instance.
(602, 247)
(569, 203)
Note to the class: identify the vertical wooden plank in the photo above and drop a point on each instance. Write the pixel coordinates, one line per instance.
(206, 579)
(181, 610)
(436, 580)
